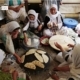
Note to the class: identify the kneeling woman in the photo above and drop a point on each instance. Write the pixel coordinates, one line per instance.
(34, 22)
(8, 33)
(53, 21)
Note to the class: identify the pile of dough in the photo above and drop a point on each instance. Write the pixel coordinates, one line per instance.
(22, 58)
(30, 66)
(45, 41)
(45, 58)
(29, 42)
(40, 51)
(39, 57)
(31, 51)
(38, 63)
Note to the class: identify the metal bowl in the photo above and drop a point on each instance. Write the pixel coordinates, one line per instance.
(34, 43)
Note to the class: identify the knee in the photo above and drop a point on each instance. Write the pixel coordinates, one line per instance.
(47, 33)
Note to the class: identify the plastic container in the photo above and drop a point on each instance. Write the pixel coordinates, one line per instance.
(70, 23)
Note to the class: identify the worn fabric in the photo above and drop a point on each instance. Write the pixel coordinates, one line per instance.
(21, 15)
(5, 36)
(12, 15)
(14, 2)
(75, 66)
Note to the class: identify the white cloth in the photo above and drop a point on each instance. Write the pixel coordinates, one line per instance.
(6, 37)
(61, 58)
(78, 28)
(75, 66)
(47, 32)
(2, 56)
(12, 15)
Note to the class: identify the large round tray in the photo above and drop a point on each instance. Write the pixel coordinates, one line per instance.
(31, 58)
(62, 40)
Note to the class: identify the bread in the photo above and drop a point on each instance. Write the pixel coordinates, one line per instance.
(40, 51)
(45, 58)
(38, 63)
(30, 66)
(29, 42)
(45, 41)
(22, 58)
(39, 57)
(31, 51)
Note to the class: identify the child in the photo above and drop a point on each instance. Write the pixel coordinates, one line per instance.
(34, 22)
(53, 21)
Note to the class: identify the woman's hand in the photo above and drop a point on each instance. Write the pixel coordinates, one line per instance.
(25, 38)
(54, 24)
(18, 58)
(40, 27)
(70, 45)
(58, 46)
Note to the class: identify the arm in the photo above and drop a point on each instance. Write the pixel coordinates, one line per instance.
(60, 23)
(9, 47)
(63, 68)
(41, 22)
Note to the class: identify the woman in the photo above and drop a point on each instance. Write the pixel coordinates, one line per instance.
(74, 67)
(53, 21)
(34, 22)
(9, 32)
(46, 5)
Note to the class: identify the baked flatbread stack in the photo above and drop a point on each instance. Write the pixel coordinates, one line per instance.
(35, 59)
(45, 41)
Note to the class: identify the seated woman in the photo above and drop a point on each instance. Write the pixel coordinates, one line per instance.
(53, 21)
(16, 9)
(74, 66)
(9, 32)
(34, 22)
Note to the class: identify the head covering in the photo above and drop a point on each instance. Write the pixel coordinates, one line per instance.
(53, 15)
(76, 56)
(75, 66)
(32, 12)
(11, 26)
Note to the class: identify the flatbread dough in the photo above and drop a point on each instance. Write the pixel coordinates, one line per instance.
(29, 42)
(22, 58)
(39, 57)
(40, 51)
(45, 41)
(31, 51)
(30, 66)
(45, 58)
(38, 63)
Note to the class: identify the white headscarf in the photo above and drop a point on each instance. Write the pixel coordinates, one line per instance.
(33, 13)
(33, 22)
(12, 26)
(9, 27)
(51, 16)
(75, 66)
